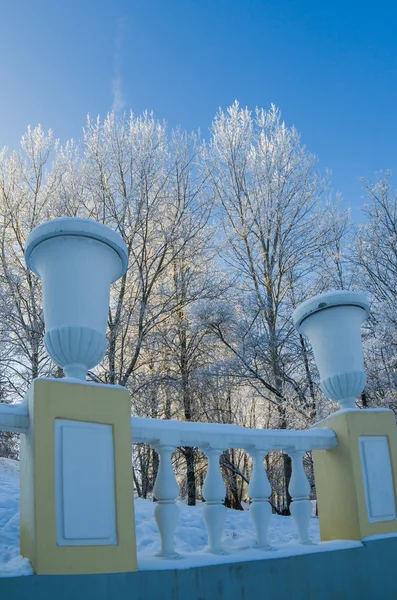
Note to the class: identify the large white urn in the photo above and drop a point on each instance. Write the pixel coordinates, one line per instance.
(332, 323)
(77, 260)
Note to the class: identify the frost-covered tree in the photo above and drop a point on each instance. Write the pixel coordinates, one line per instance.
(27, 193)
(139, 182)
(332, 262)
(375, 259)
(376, 250)
(224, 240)
(268, 190)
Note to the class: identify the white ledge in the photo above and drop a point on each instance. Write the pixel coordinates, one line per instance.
(14, 417)
(202, 558)
(159, 432)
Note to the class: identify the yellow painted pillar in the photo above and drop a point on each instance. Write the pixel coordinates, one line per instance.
(77, 513)
(356, 482)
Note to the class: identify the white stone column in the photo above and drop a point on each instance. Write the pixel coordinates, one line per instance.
(214, 493)
(166, 490)
(259, 490)
(299, 489)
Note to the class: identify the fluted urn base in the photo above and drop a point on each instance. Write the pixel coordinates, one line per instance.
(75, 349)
(344, 388)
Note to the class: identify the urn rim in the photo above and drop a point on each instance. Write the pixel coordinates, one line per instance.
(329, 300)
(76, 226)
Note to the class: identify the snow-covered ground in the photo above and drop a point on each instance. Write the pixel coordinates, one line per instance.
(11, 563)
(190, 539)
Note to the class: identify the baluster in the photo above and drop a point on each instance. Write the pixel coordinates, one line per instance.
(299, 489)
(259, 491)
(214, 493)
(166, 490)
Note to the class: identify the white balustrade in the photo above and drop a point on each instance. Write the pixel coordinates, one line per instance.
(259, 491)
(299, 489)
(166, 491)
(213, 438)
(214, 493)
(164, 436)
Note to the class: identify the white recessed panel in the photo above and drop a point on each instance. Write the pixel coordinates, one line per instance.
(378, 478)
(84, 484)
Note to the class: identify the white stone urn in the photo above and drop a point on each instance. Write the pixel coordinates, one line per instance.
(332, 323)
(77, 260)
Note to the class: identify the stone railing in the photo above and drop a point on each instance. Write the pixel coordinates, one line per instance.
(213, 439)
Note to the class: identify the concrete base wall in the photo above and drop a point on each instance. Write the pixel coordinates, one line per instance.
(367, 573)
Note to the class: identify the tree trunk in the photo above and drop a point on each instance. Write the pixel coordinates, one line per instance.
(190, 475)
(144, 461)
(287, 465)
(187, 407)
(232, 499)
(313, 410)
(136, 483)
(155, 470)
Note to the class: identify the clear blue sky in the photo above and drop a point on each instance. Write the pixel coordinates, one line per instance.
(331, 67)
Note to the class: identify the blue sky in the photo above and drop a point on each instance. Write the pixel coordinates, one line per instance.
(330, 67)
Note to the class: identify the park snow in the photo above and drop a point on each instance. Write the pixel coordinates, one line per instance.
(190, 538)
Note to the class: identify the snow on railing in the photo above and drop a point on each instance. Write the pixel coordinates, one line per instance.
(213, 439)
(14, 417)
